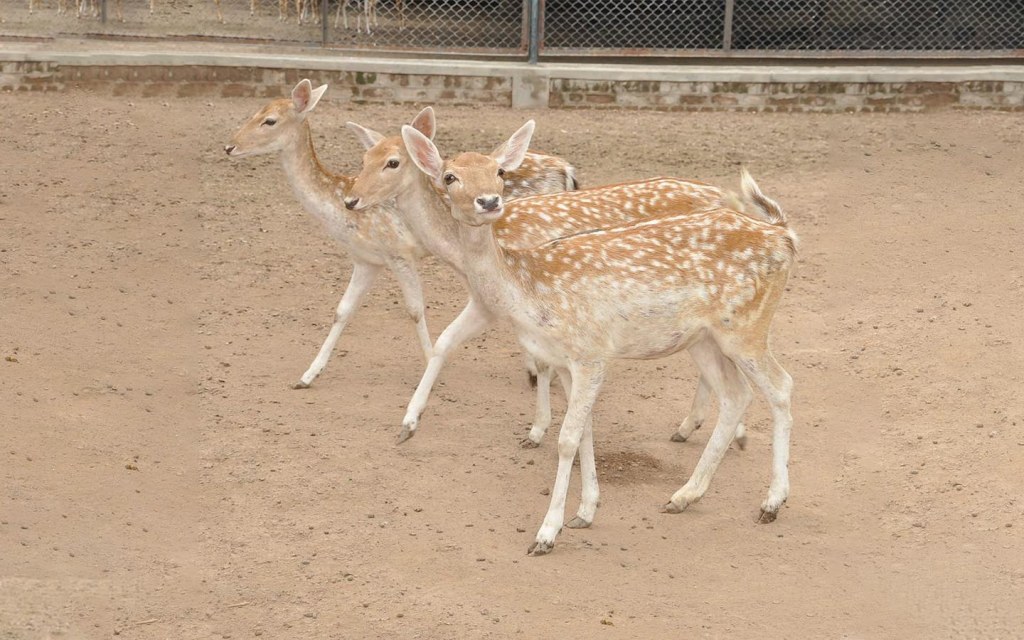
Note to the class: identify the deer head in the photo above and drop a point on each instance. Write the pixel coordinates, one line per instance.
(473, 182)
(276, 125)
(386, 167)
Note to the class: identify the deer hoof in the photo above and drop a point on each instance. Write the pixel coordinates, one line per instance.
(526, 443)
(405, 434)
(672, 507)
(767, 517)
(578, 523)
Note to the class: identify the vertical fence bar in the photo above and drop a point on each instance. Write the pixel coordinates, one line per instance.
(534, 44)
(727, 29)
(103, 11)
(324, 33)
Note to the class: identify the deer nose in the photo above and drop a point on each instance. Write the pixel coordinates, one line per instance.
(228, 149)
(488, 203)
(350, 203)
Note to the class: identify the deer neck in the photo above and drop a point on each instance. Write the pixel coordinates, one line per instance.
(426, 214)
(496, 275)
(314, 186)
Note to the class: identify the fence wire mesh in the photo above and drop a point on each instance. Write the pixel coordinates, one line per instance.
(598, 25)
(878, 25)
(681, 26)
(566, 27)
(439, 25)
(493, 25)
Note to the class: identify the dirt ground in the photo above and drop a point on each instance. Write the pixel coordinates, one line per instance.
(160, 478)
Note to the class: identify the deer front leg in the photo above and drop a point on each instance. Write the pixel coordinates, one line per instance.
(586, 382)
(362, 279)
(542, 414)
(473, 319)
(412, 293)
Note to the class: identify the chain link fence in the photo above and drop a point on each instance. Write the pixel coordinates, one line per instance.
(736, 28)
(878, 25)
(494, 26)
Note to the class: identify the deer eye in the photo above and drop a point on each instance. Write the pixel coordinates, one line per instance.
(449, 178)
(269, 122)
(501, 172)
(392, 164)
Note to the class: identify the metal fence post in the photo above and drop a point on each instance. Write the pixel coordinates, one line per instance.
(324, 34)
(727, 30)
(103, 11)
(534, 44)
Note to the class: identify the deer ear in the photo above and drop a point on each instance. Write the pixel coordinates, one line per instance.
(368, 137)
(302, 94)
(425, 123)
(315, 97)
(305, 97)
(423, 153)
(511, 153)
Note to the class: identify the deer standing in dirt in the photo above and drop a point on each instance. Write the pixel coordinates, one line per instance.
(389, 175)
(86, 8)
(706, 282)
(365, 10)
(375, 239)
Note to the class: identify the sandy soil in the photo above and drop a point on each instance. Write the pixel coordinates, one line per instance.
(161, 480)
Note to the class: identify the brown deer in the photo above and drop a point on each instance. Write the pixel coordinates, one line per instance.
(375, 239)
(707, 282)
(389, 175)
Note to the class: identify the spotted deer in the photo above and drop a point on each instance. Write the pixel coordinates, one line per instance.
(708, 282)
(388, 175)
(374, 239)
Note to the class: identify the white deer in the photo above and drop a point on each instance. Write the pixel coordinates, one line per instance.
(388, 175)
(374, 239)
(706, 282)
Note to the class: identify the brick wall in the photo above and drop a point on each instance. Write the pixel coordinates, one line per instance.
(360, 86)
(221, 81)
(788, 96)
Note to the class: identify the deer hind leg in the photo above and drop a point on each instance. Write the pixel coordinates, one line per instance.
(586, 380)
(473, 319)
(698, 415)
(734, 395)
(591, 495)
(363, 276)
(588, 471)
(776, 384)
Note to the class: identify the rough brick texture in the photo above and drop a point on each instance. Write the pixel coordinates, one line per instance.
(788, 96)
(359, 86)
